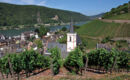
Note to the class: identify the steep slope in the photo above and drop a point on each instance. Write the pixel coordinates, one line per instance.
(96, 30)
(121, 12)
(11, 14)
(102, 29)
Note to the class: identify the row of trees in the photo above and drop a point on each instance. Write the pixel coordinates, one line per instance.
(108, 60)
(29, 61)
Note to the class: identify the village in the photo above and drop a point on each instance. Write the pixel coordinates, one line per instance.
(60, 40)
(19, 43)
(27, 40)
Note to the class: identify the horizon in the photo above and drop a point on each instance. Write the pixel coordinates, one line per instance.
(88, 8)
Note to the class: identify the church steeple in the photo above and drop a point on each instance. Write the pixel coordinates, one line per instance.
(71, 26)
(71, 38)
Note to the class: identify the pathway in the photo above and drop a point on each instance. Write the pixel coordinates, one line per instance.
(116, 21)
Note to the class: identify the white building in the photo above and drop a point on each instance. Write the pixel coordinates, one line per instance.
(71, 39)
(27, 35)
(2, 37)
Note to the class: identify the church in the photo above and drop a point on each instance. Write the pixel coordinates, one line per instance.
(73, 41)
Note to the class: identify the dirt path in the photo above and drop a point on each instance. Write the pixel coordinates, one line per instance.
(65, 75)
(116, 21)
(121, 38)
(115, 38)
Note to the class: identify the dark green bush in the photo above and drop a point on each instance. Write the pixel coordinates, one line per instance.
(55, 60)
(74, 61)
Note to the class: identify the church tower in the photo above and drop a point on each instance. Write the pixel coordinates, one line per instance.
(71, 39)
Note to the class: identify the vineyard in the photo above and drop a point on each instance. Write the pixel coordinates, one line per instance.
(108, 61)
(30, 62)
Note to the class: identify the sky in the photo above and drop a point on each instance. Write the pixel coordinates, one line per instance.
(87, 7)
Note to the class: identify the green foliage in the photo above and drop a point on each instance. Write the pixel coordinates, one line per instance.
(122, 9)
(56, 60)
(74, 61)
(39, 43)
(107, 39)
(63, 39)
(106, 59)
(27, 61)
(32, 38)
(124, 59)
(16, 63)
(76, 27)
(125, 16)
(13, 15)
(4, 65)
(83, 45)
(43, 31)
(98, 28)
(95, 30)
(64, 29)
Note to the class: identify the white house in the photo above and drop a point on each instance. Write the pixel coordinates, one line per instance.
(2, 37)
(27, 35)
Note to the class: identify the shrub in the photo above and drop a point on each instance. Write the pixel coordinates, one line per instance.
(27, 61)
(55, 60)
(74, 61)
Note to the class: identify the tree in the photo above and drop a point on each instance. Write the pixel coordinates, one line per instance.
(27, 61)
(55, 60)
(43, 31)
(16, 64)
(64, 29)
(39, 43)
(83, 46)
(74, 61)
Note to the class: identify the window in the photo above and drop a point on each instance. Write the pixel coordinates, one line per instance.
(70, 39)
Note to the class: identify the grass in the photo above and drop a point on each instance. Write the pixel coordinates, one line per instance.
(91, 43)
(121, 17)
(96, 30)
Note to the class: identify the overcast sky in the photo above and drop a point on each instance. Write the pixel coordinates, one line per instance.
(87, 7)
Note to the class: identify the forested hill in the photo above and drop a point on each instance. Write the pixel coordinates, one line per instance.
(11, 14)
(120, 12)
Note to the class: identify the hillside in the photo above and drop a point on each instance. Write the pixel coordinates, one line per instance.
(94, 31)
(11, 14)
(125, 16)
(98, 28)
(96, 16)
(121, 12)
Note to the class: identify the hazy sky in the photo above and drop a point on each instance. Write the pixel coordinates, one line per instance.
(87, 7)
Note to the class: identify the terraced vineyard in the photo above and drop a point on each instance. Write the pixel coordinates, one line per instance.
(96, 30)
(121, 17)
(102, 29)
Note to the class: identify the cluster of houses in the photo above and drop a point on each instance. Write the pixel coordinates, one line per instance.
(20, 43)
(15, 44)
